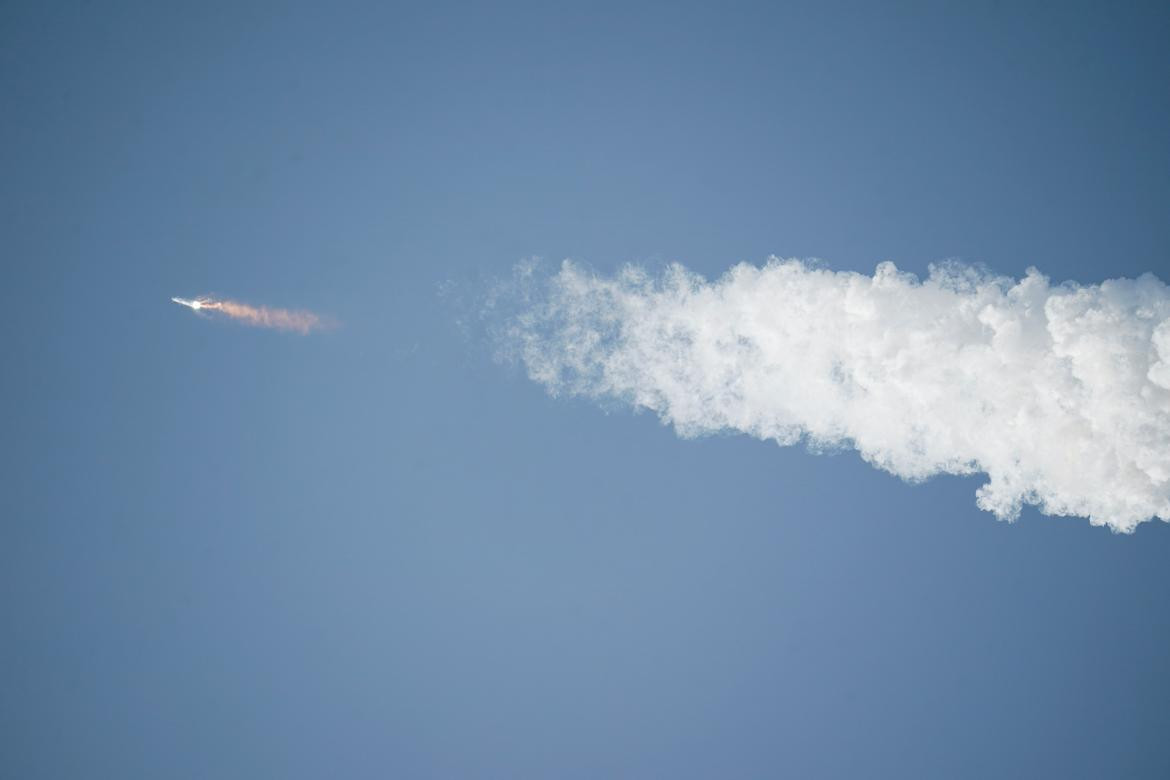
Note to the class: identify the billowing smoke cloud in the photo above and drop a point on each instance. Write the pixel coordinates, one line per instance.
(1060, 394)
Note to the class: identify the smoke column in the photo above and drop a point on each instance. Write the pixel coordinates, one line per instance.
(264, 317)
(1060, 394)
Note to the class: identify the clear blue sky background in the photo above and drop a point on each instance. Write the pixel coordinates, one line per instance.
(228, 552)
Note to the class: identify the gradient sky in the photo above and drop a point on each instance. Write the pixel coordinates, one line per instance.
(374, 552)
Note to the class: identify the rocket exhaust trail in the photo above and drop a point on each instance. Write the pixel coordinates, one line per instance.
(260, 316)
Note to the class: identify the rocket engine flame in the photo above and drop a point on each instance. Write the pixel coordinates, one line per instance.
(260, 316)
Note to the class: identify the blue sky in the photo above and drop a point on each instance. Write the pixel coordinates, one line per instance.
(376, 552)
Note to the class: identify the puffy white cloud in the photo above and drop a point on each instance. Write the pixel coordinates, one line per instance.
(1060, 394)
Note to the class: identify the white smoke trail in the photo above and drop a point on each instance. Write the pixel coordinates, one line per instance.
(1060, 394)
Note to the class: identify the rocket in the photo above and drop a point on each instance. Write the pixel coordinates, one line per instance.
(260, 316)
(196, 304)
